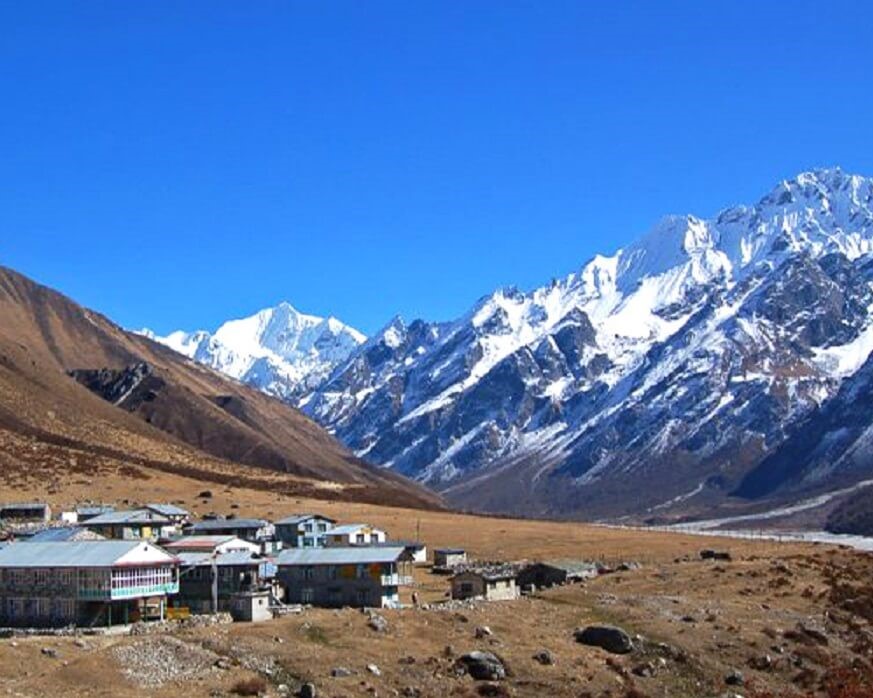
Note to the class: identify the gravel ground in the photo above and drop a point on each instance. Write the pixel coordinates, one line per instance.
(154, 661)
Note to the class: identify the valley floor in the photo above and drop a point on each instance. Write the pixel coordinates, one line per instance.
(793, 618)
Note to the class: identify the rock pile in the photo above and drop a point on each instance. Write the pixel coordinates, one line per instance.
(154, 661)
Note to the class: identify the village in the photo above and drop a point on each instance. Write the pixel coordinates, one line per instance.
(97, 567)
(143, 599)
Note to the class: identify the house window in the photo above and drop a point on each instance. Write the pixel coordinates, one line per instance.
(363, 597)
(307, 528)
(466, 587)
(307, 595)
(359, 538)
(322, 527)
(308, 572)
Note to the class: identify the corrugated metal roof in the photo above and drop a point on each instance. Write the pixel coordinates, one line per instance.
(236, 558)
(92, 553)
(143, 516)
(491, 573)
(224, 524)
(338, 556)
(94, 510)
(300, 518)
(23, 505)
(61, 534)
(199, 541)
(346, 529)
(168, 509)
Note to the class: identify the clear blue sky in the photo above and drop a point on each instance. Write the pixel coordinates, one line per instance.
(174, 164)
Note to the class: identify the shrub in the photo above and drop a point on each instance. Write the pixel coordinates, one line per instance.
(250, 687)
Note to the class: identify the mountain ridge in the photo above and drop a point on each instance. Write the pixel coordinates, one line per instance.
(186, 418)
(649, 382)
(553, 385)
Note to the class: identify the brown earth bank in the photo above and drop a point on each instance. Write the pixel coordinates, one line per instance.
(184, 419)
(791, 619)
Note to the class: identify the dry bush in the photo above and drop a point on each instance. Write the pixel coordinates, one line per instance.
(249, 687)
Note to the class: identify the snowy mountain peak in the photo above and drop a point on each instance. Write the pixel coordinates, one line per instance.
(704, 334)
(279, 349)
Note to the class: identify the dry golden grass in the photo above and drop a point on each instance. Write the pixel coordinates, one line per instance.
(716, 617)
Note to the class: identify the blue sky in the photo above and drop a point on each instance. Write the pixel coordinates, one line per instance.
(176, 164)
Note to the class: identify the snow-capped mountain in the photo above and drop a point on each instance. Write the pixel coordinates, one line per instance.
(279, 350)
(649, 381)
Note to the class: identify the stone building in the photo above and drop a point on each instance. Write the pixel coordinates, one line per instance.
(85, 583)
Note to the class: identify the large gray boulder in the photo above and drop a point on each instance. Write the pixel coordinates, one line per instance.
(607, 637)
(483, 666)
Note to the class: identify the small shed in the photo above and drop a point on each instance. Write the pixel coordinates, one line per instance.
(25, 512)
(553, 572)
(497, 583)
(251, 606)
(447, 559)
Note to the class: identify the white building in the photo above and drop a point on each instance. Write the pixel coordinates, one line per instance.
(354, 534)
(218, 545)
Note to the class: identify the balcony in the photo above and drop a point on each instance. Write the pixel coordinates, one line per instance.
(390, 580)
(147, 590)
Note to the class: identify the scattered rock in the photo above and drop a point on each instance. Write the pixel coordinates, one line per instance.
(340, 672)
(205, 494)
(374, 670)
(710, 554)
(483, 666)
(645, 670)
(628, 566)
(377, 623)
(222, 664)
(544, 657)
(762, 663)
(493, 690)
(152, 661)
(49, 652)
(734, 678)
(307, 690)
(607, 637)
(482, 631)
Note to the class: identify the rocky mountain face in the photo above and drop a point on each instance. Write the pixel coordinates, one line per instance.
(82, 398)
(659, 380)
(278, 350)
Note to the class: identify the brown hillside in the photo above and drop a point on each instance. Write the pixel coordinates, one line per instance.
(192, 420)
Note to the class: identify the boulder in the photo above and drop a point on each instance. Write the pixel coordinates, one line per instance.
(378, 623)
(307, 690)
(483, 666)
(544, 657)
(607, 637)
(734, 678)
(710, 554)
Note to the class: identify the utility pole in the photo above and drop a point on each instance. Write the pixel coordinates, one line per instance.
(214, 584)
